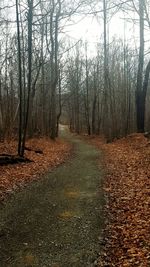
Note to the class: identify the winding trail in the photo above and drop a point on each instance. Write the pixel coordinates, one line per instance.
(57, 220)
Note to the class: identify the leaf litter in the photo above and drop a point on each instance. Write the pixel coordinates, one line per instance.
(127, 192)
(13, 177)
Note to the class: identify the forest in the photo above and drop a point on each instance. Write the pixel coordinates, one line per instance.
(61, 80)
(43, 73)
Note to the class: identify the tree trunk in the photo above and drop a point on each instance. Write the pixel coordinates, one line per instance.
(20, 79)
(140, 101)
(30, 20)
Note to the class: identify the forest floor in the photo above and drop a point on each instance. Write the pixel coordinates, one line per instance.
(16, 176)
(127, 209)
(57, 220)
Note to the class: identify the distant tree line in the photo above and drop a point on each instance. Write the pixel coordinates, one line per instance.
(109, 93)
(30, 63)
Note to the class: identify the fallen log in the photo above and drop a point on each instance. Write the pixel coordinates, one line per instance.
(147, 135)
(38, 151)
(6, 159)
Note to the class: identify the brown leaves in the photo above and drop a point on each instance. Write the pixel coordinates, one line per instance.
(15, 176)
(127, 235)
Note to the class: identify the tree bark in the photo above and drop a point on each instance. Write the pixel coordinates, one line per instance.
(30, 21)
(140, 101)
(20, 79)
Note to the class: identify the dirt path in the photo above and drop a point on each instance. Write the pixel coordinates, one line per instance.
(56, 221)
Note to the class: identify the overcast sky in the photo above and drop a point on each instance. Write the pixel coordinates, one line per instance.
(90, 28)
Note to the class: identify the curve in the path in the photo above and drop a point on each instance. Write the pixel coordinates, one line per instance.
(56, 221)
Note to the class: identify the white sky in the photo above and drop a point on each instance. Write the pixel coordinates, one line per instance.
(90, 28)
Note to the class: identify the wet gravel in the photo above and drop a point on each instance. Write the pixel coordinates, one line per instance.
(57, 220)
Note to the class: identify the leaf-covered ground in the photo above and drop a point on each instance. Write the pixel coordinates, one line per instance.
(15, 176)
(127, 190)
